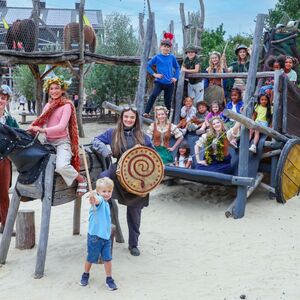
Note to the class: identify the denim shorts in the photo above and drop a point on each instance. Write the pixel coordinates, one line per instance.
(263, 123)
(98, 247)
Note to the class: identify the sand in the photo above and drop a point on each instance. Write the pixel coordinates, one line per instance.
(189, 250)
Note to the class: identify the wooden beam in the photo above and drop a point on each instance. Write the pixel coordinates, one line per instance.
(11, 57)
(141, 88)
(118, 109)
(271, 153)
(250, 124)
(229, 75)
(240, 205)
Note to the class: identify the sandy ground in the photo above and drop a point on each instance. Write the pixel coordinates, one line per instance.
(189, 250)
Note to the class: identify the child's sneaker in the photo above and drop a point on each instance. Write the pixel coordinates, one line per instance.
(84, 279)
(110, 283)
(253, 148)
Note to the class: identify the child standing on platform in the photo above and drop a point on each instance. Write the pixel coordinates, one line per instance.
(99, 231)
(191, 65)
(166, 74)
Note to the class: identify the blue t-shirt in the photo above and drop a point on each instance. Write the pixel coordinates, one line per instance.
(99, 220)
(166, 65)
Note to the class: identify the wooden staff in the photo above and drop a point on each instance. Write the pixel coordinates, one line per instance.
(87, 173)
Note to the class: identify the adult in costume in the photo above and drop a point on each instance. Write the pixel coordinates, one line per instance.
(216, 145)
(241, 65)
(5, 164)
(58, 123)
(126, 135)
(161, 132)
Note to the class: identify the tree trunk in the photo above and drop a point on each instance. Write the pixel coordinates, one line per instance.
(38, 87)
(183, 22)
(25, 230)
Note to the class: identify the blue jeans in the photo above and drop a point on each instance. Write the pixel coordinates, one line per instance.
(98, 247)
(168, 92)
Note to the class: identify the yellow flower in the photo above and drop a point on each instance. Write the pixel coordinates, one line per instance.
(57, 80)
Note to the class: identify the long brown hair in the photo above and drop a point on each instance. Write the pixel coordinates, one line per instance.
(119, 144)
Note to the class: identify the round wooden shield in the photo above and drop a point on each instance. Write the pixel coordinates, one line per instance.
(288, 172)
(214, 93)
(140, 170)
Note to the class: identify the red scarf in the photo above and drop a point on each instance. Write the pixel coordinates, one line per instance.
(73, 127)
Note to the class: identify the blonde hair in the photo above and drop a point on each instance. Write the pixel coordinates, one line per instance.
(164, 109)
(219, 68)
(210, 122)
(104, 182)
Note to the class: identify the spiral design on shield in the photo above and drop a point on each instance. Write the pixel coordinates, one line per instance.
(141, 166)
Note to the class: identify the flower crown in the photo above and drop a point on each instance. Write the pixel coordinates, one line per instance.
(57, 80)
(160, 107)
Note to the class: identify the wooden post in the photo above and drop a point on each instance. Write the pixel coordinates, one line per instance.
(239, 208)
(76, 216)
(25, 229)
(284, 104)
(36, 18)
(276, 103)
(200, 29)
(115, 220)
(183, 22)
(45, 219)
(178, 98)
(9, 226)
(140, 94)
(81, 71)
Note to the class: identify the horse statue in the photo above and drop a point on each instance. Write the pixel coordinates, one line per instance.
(71, 34)
(21, 35)
(35, 163)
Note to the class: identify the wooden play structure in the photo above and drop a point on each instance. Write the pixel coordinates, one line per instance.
(276, 157)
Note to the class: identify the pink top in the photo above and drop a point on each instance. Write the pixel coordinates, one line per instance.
(211, 114)
(57, 125)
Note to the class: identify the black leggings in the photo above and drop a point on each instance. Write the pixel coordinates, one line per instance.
(168, 92)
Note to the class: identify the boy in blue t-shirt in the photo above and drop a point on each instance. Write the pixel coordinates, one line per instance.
(166, 74)
(99, 231)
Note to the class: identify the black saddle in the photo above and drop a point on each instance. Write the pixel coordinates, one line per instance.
(26, 152)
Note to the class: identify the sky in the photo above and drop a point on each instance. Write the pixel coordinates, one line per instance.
(237, 15)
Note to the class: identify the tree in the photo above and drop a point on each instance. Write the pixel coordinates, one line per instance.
(115, 82)
(24, 81)
(283, 7)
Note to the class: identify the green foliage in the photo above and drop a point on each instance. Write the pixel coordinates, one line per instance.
(283, 7)
(115, 82)
(214, 40)
(24, 81)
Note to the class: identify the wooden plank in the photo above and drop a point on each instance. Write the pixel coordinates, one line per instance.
(292, 172)
(289, 188)
(249, 123)
(294, 156)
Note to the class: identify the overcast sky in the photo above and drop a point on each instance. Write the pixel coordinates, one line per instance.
(237, 15)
